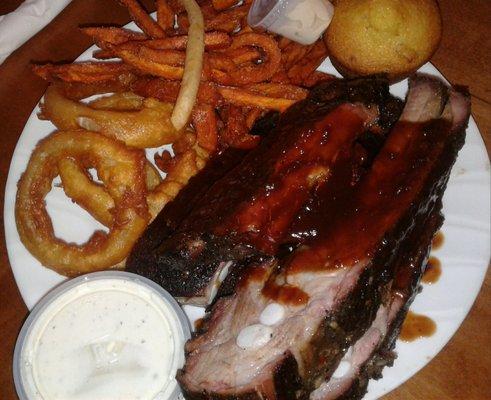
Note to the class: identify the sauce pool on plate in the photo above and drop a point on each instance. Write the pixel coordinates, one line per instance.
(109, 335)
(416, 326)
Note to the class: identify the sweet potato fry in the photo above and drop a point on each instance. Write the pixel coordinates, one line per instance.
(105, 36)
(205, 124)
(227, 21)
(243, 55)
(88, 72)
(144, 62)
(316, 77)
(304, 67)
(236, 133)
(252, 115)
(213, 41)
(165, 14)
(142, 19)
(221, 5)
(279, 90)
(103, 54)
(257, 72)
(293, 53)
(166, 90)
(242, 97)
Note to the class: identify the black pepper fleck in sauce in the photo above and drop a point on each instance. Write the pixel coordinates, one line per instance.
(433, 271)
(416, 326)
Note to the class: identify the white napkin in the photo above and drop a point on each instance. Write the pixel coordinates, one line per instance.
(28, 19)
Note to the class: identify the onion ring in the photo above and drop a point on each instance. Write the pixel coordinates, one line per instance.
(119, 167)
(148, 127)
(92, 196)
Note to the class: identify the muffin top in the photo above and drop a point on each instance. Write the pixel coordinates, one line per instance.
(394, 37)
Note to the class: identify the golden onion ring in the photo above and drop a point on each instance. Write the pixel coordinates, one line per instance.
(149, 126)
(122, 171)
(92, 196)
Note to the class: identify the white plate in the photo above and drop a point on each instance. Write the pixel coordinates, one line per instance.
(464, 255)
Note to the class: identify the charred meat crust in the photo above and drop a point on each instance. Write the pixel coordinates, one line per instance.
(186, 263)
(142, 258)
(406, 240)
(411, 265)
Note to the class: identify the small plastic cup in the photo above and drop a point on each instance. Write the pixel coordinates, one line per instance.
(303, 21)
(77, 289)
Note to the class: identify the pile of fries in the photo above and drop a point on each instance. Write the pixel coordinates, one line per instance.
(245, 73)
(196, 79)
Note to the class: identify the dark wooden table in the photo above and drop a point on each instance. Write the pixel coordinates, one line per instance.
(461, 371)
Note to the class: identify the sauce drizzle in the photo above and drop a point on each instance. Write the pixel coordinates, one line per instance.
(433, 271)
(437, 241)
(284, 294)
(416, 326)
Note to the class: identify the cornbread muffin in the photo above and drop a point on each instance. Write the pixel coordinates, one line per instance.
(394, 37)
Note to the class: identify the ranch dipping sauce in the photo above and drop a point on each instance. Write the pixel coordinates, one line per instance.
(102, 336)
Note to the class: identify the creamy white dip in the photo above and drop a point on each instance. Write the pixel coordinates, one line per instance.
(105, 339)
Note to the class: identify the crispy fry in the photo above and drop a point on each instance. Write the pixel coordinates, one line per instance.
(165, 15)
(103, 54)
(142, 19)
(308, 64)
(257, 72)
(228, 21)
(279, 90)
(108, 35)
(166, 91)
(316, 77)
(205, 124)
(236, 133)
(213, 40)
(242, 97)
(252, 116)
(149, 66)
(162, 160)
(243, 55)
(193, 66)
(179, 170)
(220, 5)
(87, 72)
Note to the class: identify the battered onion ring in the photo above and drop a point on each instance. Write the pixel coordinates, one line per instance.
(122, 171)
(92, 196)
(148, 127)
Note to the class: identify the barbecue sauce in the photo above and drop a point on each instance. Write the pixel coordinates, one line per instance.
(416, 326)
(433, 270)
(395, 181)
(285, 294)
(438, 240)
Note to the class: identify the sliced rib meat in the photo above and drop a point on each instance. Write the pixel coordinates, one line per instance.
(335, 283)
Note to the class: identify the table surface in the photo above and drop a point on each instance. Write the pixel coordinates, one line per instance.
(461, 370)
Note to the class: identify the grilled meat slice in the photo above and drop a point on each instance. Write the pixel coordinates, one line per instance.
(338, 288)
(244, 216)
